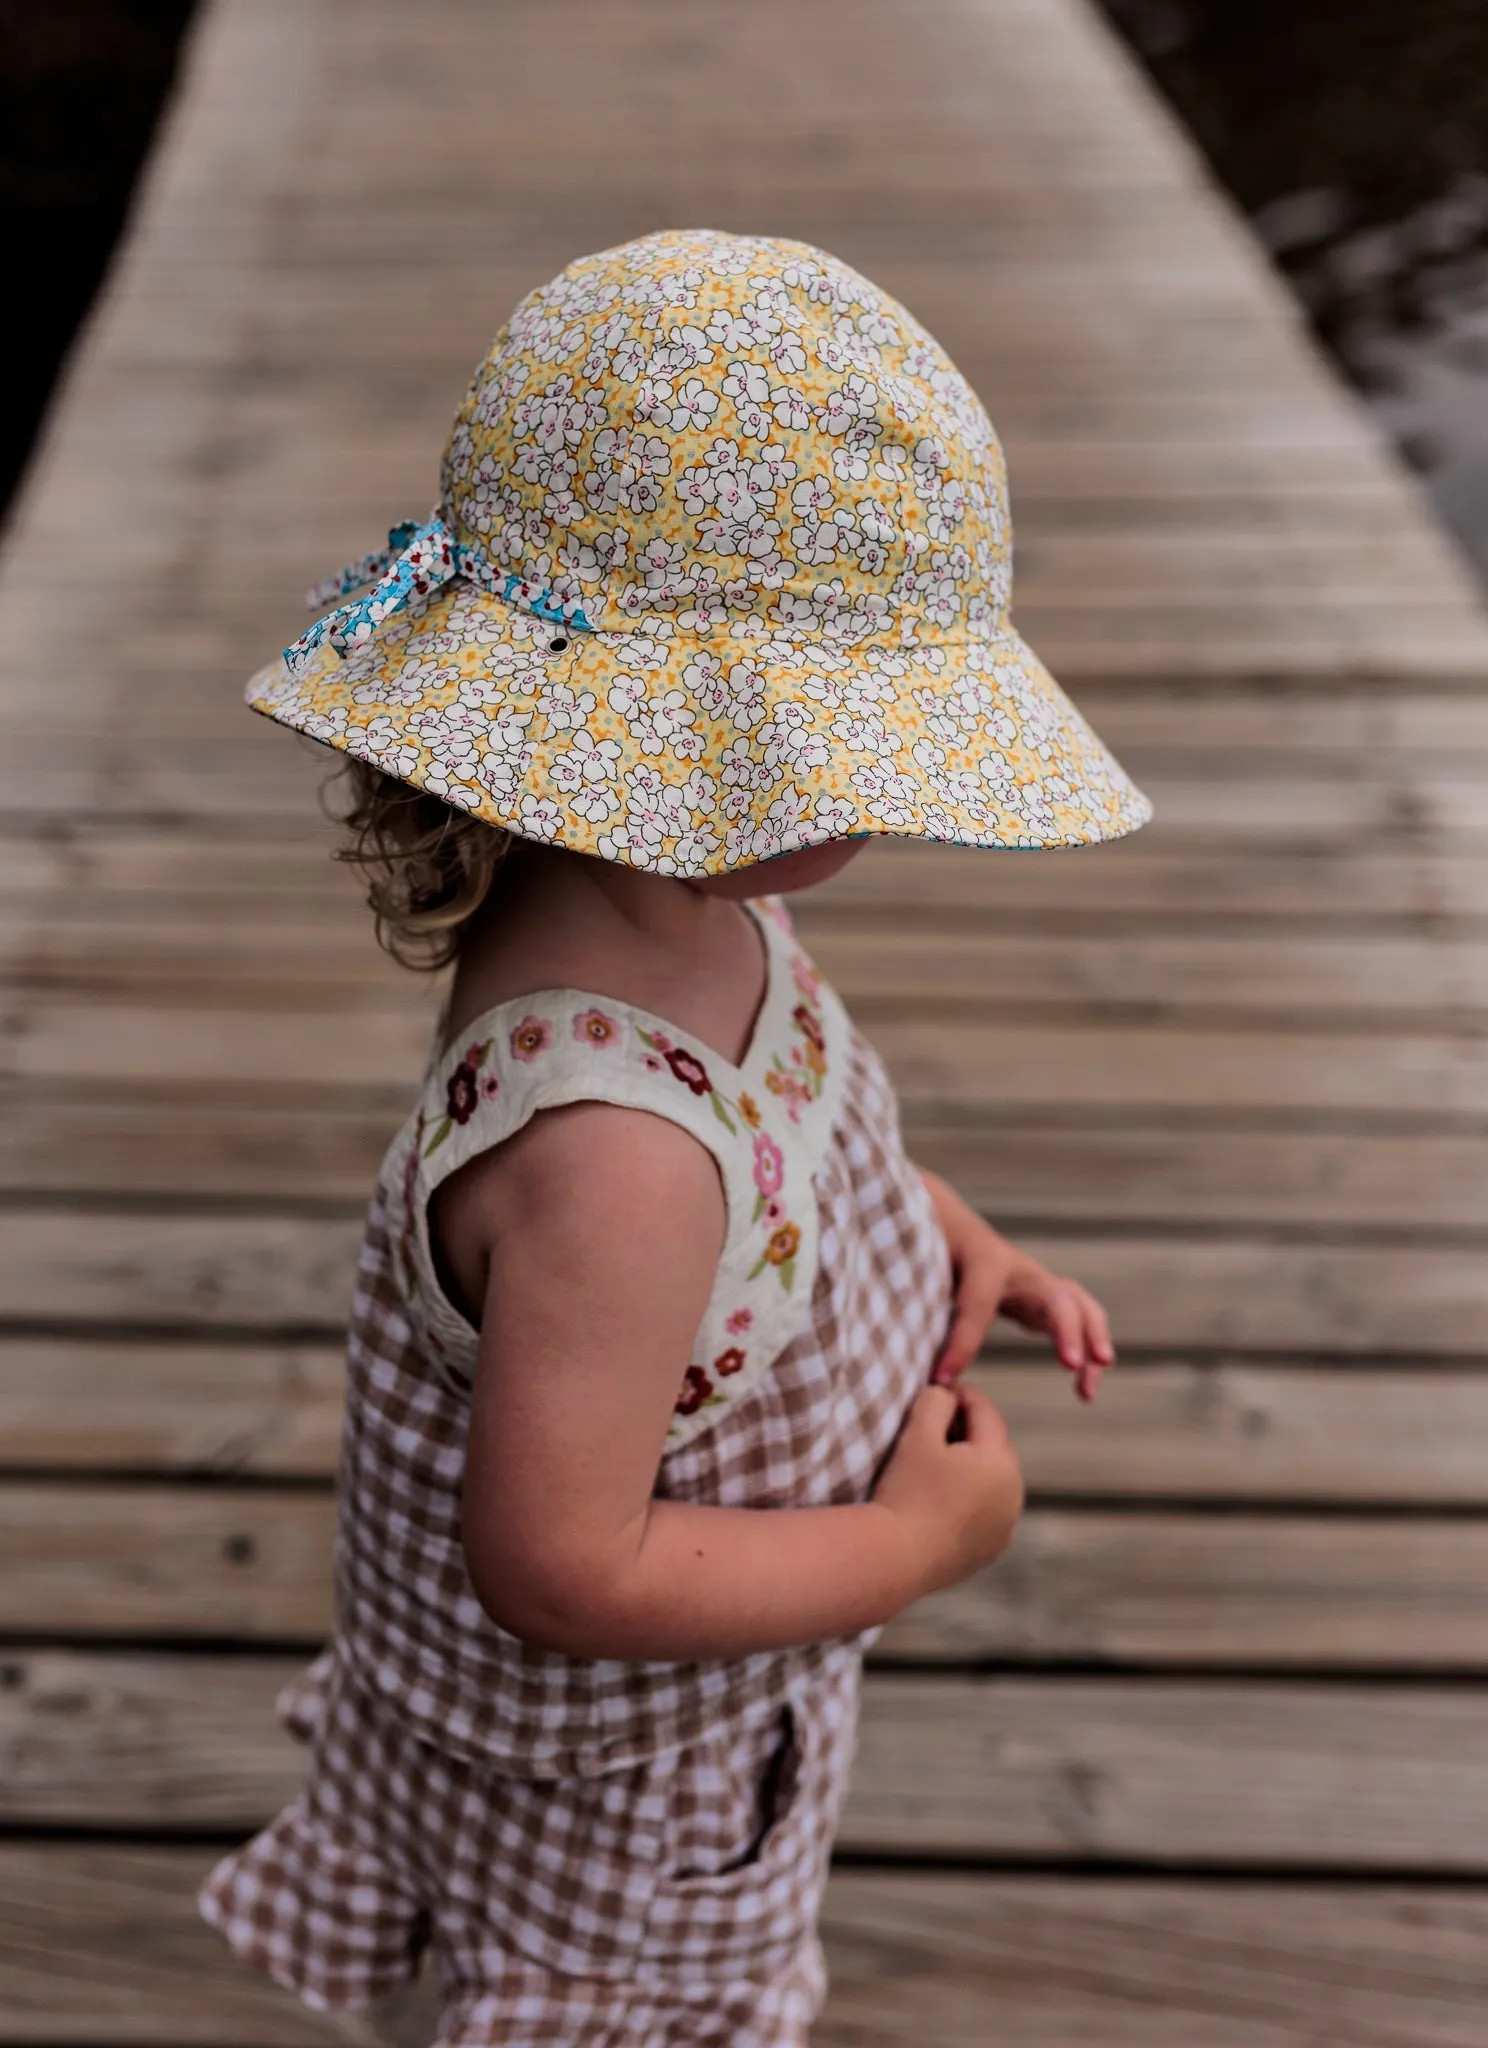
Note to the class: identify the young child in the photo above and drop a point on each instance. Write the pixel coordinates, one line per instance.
(654, 1410)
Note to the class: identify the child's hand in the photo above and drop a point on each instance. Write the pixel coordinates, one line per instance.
(994, 1278)
(958, 1496)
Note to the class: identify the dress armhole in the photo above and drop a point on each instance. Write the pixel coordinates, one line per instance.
(544, 1052)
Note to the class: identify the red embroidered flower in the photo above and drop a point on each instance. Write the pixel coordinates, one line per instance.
(696, 1387)
(730, 1361)
(531, 1037)
(689, 1070)
(462, 1094)
(809, 1026)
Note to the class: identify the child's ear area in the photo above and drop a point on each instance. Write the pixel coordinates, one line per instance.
(786, 874)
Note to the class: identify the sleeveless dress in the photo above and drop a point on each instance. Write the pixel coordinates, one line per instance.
(592, 1851)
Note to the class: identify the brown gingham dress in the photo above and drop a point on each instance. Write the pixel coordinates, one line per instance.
(600, 1854)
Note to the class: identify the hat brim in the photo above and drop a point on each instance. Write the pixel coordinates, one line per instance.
(697, 752)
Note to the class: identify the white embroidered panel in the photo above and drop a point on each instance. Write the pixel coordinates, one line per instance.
(768, 1123)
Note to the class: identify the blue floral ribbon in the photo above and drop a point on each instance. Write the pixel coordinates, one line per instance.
(416, 560)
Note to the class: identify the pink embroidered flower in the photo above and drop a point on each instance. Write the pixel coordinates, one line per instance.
(769, 1165)
(807, 980)
(652, 1064)
(791, 1089)
(773, 1211)
(696, 1387)
(741, 1320)
(595, 1028)
(490, 1087)
(531, 1038)
(730, 1361)
(688, 1069)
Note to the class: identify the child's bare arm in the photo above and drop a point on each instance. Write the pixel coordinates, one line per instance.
(602, 1228)
(994, 1278)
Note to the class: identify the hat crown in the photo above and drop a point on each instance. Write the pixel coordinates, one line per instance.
(735, 434)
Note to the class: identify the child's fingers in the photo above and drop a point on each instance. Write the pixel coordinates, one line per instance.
(1066, 1324)
(931, 1414)
(1088, 1381)
(976, 1305)
(1097, 1331)
(981, 1422)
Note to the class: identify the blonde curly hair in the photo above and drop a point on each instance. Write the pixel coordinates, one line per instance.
(428, 867)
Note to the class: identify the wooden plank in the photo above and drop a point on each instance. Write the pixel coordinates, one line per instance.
(956, 1961)
(197, 1272)
(83, 1140)
(1235, 1430)
(1361, 981)
(1024, 1172)
(979, 1068)
(1218, 1773)
(1223, 1773)
(1246, 1431)
(188, 1271)
(1156, 875)
(1278, 1591)
(196, 870)
(242, 1142)
(250, 1563)
(68, 1404)
(103, 1944)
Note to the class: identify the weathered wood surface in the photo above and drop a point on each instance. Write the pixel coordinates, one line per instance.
(1218, 1773)
(1085, 1963)
(1230, 1430)
(1233, 1072)
(1284, 1591)
(103, 1943)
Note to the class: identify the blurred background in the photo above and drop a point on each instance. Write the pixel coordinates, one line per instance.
(1354, 133)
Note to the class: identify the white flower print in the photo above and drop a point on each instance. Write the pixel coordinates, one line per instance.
(789, 409)
(860, 735)
(695, 404)
(791, 737)
(583, 773)
(539, 817)
(565, 709)
(833, 818)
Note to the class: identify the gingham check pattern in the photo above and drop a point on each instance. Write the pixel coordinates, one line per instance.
(594, 1851)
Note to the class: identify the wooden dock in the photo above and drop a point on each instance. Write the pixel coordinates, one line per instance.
(1204, 1762)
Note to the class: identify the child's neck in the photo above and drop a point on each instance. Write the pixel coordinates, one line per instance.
(657, 942)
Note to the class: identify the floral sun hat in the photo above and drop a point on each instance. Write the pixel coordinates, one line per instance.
(721, 568)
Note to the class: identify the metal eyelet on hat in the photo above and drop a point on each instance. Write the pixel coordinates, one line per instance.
(557, 646)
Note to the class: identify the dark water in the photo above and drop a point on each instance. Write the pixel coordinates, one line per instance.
(81, 85)
(1353, 132)
(1355, 135)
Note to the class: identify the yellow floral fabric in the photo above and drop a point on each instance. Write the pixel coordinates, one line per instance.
(734, 573)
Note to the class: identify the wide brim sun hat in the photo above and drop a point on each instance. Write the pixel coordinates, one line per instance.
(720, 569)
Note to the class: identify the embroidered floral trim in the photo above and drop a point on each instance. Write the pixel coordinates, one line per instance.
(465, 1088)
(687, 1068)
